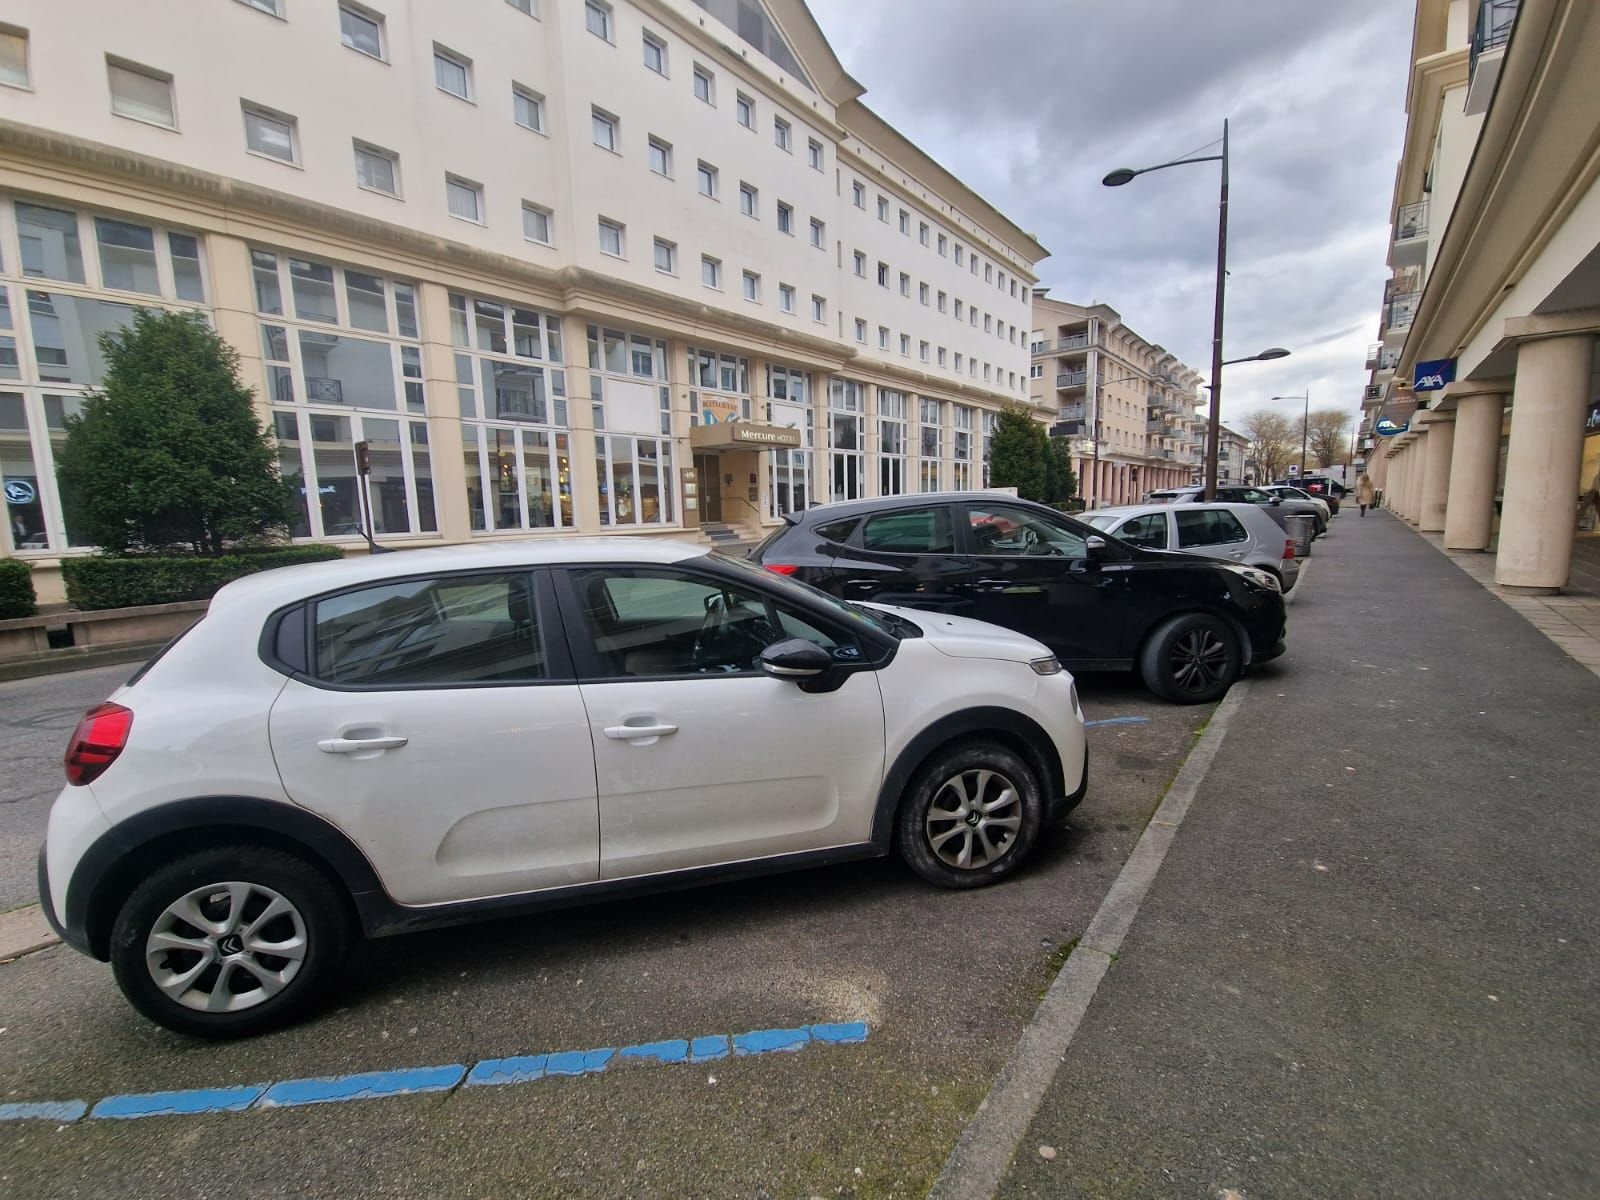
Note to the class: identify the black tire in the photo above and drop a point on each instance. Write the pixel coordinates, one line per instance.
(992, 856)
(242, 881)
(1192, 659)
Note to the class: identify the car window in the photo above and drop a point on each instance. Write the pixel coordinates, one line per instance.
(1208, 527)
(910, 531)
(838, 531)
(1004, 529)
(652, 622)
(463, 629)
(1149, 531)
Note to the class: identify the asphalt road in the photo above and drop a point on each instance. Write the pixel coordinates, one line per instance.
(37, 717)
(944, 981)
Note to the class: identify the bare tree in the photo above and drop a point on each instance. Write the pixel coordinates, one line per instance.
(1329, 436)
(1272, 441)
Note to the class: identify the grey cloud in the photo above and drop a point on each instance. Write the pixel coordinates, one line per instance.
(1032, 101)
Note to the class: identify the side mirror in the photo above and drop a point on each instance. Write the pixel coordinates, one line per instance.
(1275, 501)
(795, 658)
(1095, 546)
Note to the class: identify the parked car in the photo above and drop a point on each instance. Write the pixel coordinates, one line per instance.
(382, 744)
(1278, 507)
(1321, 485)
(1328, 504)
(1242, 533)
(1187, 625)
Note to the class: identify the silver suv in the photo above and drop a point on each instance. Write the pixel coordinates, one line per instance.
(1241, 533)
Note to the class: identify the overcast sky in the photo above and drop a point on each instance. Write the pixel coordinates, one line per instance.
(1031, 102)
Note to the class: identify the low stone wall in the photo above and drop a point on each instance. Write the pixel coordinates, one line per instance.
(29, 637)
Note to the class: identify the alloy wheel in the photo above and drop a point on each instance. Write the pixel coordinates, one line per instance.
(1199, 660)
(973, 818)
(226, 947)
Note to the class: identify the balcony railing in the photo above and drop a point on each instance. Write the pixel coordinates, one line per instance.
(1069, 379)
(1074, 341)
(1157, 425)
(1402, 310)
(1411, 221)
(1071, 412)
(1495, 19)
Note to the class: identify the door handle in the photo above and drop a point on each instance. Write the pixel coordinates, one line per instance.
(993, 585)
(341, 745)
(1235, 553)
(629, 733)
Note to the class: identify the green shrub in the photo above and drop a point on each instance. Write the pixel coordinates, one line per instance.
(103, 581)
(17, 598)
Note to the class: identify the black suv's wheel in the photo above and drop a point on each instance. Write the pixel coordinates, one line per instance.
(1191, 659)
(970, 815)
(230, 941)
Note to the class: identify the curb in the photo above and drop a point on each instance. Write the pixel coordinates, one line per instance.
(24, 930)
(986, 1147)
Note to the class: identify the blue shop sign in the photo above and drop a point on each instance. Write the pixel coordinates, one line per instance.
(1432, 375)
(1387, 428)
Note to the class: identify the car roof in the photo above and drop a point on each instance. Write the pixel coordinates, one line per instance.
(1134, 510)
(849, 508)
(284, 585)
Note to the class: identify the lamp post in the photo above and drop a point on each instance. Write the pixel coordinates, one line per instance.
(1305, 425)
(1124, 175)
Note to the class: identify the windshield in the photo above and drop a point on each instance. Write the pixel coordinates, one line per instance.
(882, 622)
(1098, 520)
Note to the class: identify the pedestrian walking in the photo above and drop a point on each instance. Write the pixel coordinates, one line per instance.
(1364, 492)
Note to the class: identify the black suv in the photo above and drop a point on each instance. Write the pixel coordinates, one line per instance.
(1189, 626)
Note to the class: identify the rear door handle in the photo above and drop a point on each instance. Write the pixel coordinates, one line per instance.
(630, 733)
(341, 745)
(993, 585)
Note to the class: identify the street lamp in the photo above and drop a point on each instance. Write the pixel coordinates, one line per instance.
(1305, 426)
(1124, 175)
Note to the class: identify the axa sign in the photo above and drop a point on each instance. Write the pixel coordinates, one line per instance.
(1432, 375)
(1387, 428)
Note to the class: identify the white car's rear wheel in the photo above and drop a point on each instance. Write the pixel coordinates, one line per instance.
(230, 941)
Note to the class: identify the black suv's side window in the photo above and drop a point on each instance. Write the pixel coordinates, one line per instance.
(910, 531)
(837, 531)
(1209, 527)
(461, 629)
(1002, 529)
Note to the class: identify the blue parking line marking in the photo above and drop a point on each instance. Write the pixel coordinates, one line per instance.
(704, 1049)
(768, 1041)
(63, 1111)
(578, 1062)
(491, 1072)
(1117, 721)
(368, 1086)
(179, 1104)
(661, 1052)
(843, 1034)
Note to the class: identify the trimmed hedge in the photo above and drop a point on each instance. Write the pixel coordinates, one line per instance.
(17, 598)
(113, 582)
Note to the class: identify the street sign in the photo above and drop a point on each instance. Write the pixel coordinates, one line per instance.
(1432, 375)
(20, 491)
(1387, 428)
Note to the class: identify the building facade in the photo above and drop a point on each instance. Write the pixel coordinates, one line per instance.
(1481, 411)
(631, 266)
(1128, 406)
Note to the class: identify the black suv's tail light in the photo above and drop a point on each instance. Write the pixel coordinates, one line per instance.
(97, 741)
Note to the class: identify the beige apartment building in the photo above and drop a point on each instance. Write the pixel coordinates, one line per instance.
(1481, 417)
(566, 266)
(1128, 406)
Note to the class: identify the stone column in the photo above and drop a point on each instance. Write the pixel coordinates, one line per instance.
(1474, 462)
(585, 464)
(446, 436)
(1436, 479)
(1419, 467)
(1397, 477)
(1538, 516)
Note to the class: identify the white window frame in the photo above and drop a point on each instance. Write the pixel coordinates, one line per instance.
(361, 148)
(535, 99)
(671, 256)
(786, 298)
(530, 208)
(749, 200)
(153, 75)
(375, 19)
(21, 35)
(261, 112)
(750, 286)
(785, 218)
(445, 54)
(711, 272)
(861, 330)
(599, 118)
(782, 135)
(707, 180)
(819, 309)
(708, 77)
(607, 20)
(652, 41)
(815, 154)
(452, 180)
(819, 234)
(605, 224)
(744, 106)
(664, 148)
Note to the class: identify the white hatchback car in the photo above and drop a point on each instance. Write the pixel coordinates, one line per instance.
(388, 743)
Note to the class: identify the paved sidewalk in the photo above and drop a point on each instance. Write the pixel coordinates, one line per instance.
(1367, 968)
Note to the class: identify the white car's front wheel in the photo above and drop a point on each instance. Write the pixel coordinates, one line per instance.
(970, 815)
(230, 941)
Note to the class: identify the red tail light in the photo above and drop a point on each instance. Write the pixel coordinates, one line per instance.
(781, 568)
(97, 741)
(1288, 549)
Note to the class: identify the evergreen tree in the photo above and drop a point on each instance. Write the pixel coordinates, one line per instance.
(169, 451)
(1019, 454)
